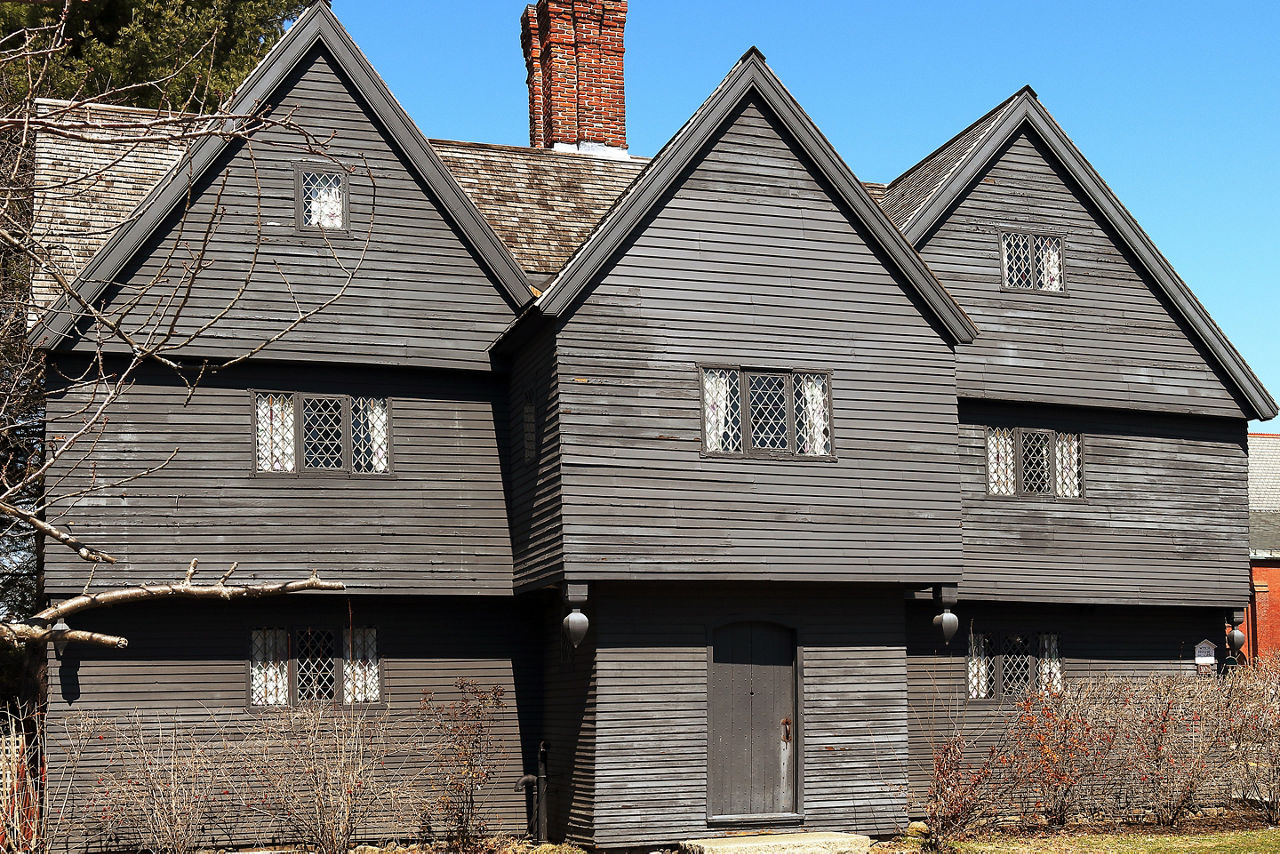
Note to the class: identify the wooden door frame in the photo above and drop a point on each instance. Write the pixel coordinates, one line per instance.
(768, 819)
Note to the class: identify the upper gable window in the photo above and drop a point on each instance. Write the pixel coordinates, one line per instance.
(322, 199)
(766, 413)
(330, 433)
(1033, 462)
(1032, 262)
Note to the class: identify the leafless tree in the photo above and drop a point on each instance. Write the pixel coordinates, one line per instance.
(145, 325)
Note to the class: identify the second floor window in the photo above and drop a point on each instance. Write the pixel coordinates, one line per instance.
(766, 413)
(300, 432)
(1032, 262)
(1033, 462)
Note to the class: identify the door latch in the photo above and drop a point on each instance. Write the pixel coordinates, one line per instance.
(786, 730)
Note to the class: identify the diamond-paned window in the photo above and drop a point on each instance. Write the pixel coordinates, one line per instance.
(361, 680)
(813, 416)
(1017, 666)
(322, 432)
(370, 443)
(315, 672)
(1048, 251)
(767, 404)
(275, 439)
(322, 200)
(1049, 671)
(1066, 465)
(1032, 262)
(721, 411)
(1002, 465)
(1036, 468)
(269, 668)
(1019, 262)
(978, 668)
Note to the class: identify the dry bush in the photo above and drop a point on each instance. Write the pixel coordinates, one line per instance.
(1170, 743)
(327, 777)
(467, 754)
(1252, 723)
(962, 791)
(163, 790)
(1057, 746)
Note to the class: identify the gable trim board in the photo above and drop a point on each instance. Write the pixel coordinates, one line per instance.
(316, 27)
(749, 76)
(1025, 111)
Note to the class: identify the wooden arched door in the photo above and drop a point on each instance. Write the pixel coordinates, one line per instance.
(753, 727)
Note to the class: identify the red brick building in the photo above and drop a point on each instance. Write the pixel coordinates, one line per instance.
(1262, 620)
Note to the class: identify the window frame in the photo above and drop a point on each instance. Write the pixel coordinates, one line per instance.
(299, 203)
(1001, 231)
(744, 412)
(340, 637)
(996, 660)
(300, 469)
(1020, 491)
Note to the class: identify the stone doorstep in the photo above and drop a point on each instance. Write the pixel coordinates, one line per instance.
(780, 843)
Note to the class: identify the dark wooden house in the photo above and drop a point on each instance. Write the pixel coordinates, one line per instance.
(755, 420)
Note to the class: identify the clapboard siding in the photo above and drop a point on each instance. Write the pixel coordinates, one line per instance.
(196, 681)
(1110, 340)
(569, 726)
(1164, 518)
(436, 524)
(1095, 641)
(534, 460)
(750, 260)
(409, 290)
(651, 724)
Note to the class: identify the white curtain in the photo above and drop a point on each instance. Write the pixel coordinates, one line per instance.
(1050, 264)
(979, 668)
(815, 438)
(1050, 664)
(715, 395)
(269, 673)
(275, 432)
(360, 682)
(1001, 478)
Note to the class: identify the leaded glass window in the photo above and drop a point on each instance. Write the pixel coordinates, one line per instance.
(1032, 262)
(1050, 664)
(370, 441)
(978, 668)
(322, 432)
(269, 668)
(1036, 468)
(314, 666)
(767, 405)
(813, 417)
(322, 200)
(721, 411)
(1066, 466)
(275, 428)
(1002, 467)
(1017, 665)
(361, 680)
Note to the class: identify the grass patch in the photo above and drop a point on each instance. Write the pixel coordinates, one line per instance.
(1230, 842)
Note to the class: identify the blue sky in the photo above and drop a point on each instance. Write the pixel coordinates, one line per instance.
(1177, 104)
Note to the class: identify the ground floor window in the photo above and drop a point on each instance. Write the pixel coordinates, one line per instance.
(1010, 665)
(303, 665)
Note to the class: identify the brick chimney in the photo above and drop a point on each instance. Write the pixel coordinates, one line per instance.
(573, 51)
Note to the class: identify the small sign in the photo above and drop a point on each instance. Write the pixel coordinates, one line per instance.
(1205, 654)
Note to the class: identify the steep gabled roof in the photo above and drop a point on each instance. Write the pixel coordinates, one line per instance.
(542, 203)
(316, 26)
(912, 190)
(960, 162)
(750, 76)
